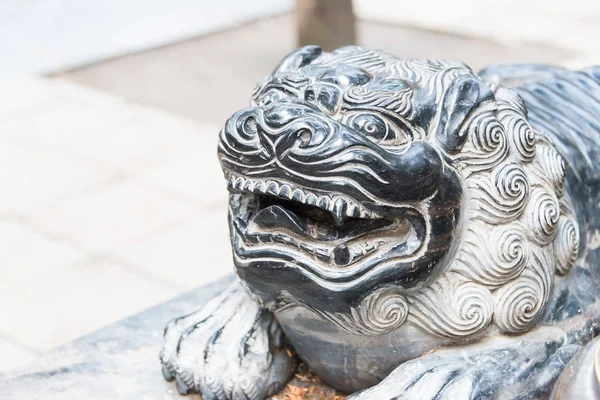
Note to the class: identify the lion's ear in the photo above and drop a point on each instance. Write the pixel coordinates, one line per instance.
(298, 58)
(466, 93)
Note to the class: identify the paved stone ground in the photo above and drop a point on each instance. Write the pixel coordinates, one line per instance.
(112, 198)
(107, 208)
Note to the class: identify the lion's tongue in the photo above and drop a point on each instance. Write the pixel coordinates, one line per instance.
(276, 218)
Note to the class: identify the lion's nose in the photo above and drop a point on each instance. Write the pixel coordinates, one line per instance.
(241, 135)
(249, 126)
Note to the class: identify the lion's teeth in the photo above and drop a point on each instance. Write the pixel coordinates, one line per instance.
(364, 213)
(339, 210)
(339, 206)
(272, 188)
(285, 191)
(352, 209)
(311, 199)
(240, 183)
(331, 206)
(306, 247)
(324, 202)
(298, 195)
(322, 254)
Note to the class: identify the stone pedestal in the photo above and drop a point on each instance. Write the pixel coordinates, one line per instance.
(117, 362)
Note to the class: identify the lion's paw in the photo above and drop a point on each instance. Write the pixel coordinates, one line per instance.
(231, 349)
(516, 369)
(424, 381)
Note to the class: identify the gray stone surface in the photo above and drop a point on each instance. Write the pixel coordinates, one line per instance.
(117, 362)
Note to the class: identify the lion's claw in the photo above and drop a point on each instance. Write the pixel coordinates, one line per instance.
(518, 370)
(231, 349)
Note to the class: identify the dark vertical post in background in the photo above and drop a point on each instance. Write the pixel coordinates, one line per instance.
(326, 23)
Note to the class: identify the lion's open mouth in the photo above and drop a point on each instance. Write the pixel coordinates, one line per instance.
(330, 229)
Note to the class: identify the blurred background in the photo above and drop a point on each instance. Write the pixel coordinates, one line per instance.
(111, 197)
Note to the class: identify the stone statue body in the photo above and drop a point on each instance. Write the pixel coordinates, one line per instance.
(406, 227)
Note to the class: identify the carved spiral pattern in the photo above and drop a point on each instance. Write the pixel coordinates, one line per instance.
(566, 244)
(495, 258)
(520, 303)
(506, 197)
(513, 251)
(381, 312)
(553, 167)
(513, 115)
(512, 183)
(542, 215)
(451, 308)
(521, 136)
(519, 306)
(358, 95)
(487, 145)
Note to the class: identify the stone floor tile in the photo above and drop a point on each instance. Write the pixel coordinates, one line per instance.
(34, 177)
(14, 356)
(190, 254)
(19, 96)
(76, 301)
(27, 255)
(101, 128)
(59, 126)
(102, 219)
(84, 94)
(196, 175)
(22, 95)
(143, 138)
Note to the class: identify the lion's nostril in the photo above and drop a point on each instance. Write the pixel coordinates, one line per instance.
(250, 126)
(305, 137)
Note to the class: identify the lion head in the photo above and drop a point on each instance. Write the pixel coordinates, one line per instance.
(378, 192)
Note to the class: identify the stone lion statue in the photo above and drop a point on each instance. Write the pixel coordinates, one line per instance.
(407, 228)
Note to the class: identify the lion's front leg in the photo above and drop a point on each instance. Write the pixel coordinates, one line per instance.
(512, 369)
(230, 349)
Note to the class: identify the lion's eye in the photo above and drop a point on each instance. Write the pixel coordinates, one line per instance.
(377, 129)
